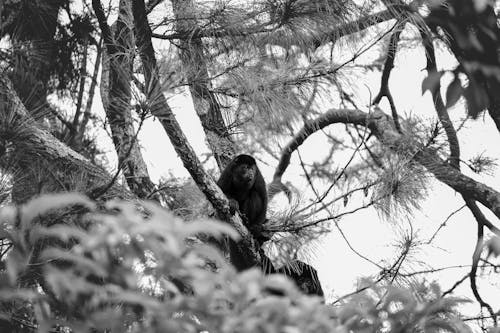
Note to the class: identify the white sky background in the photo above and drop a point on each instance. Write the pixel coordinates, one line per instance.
(337, 265)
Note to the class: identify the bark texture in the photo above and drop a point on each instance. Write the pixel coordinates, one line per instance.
(161, 110)
(195, 67)
(35, 149)
(116, 95)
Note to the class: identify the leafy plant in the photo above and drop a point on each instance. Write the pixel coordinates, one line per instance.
(137, 268)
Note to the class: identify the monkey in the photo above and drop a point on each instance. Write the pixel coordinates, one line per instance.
(243, 184)
(305, 277)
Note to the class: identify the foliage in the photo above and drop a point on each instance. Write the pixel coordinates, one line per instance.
(123, 267)
(36, 32)
(470, 29)
(184, 198)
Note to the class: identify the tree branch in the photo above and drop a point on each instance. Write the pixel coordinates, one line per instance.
(160, 109)
(119, 46)
(441, 110)
(388, 66)
(475, 260)
(31, 139)
(206, 105)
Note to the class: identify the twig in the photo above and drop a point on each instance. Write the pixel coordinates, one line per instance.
(444, 223)
(388, 66)
(455, 285)
(475, 260)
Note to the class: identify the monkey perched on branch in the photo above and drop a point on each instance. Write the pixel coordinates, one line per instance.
(243, 184)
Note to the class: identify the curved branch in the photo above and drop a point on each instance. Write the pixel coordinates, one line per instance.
(439, 105)
(475, 260)
(327, 119)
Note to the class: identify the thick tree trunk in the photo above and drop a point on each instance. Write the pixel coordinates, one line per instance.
(116, 93)
(36, 149)
(205, 103)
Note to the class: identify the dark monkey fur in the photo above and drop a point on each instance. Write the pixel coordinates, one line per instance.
(243, 184)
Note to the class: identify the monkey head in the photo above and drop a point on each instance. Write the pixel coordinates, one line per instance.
(244, 172)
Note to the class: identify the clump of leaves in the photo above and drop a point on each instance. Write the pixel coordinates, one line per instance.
(400, 311)
(470, 29)
(401, 188)
(482, 164)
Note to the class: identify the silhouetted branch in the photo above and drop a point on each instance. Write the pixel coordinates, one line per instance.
(439, 105)
(455, 285)
(475, 260)
(444, 223)
(386, 72)
(88, 106)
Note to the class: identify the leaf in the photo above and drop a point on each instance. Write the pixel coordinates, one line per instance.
(493, 246)
(453, 92)
(476, 98)
(15, 264)
(62, 232)
(82, 263)
(210, 227)
(47, 202)
(439, 325)
(435, 3)
(431, 82)
(346, 200)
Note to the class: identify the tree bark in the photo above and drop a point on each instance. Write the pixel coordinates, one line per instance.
(119, 53)
(34, 145)
(162, 111)
(205, 103)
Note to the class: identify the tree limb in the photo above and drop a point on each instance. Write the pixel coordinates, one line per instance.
(475, 260)
(160, 109)
(33, 140)
(206, 105)
(441, 110)
(386, 72)
(117, 98)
